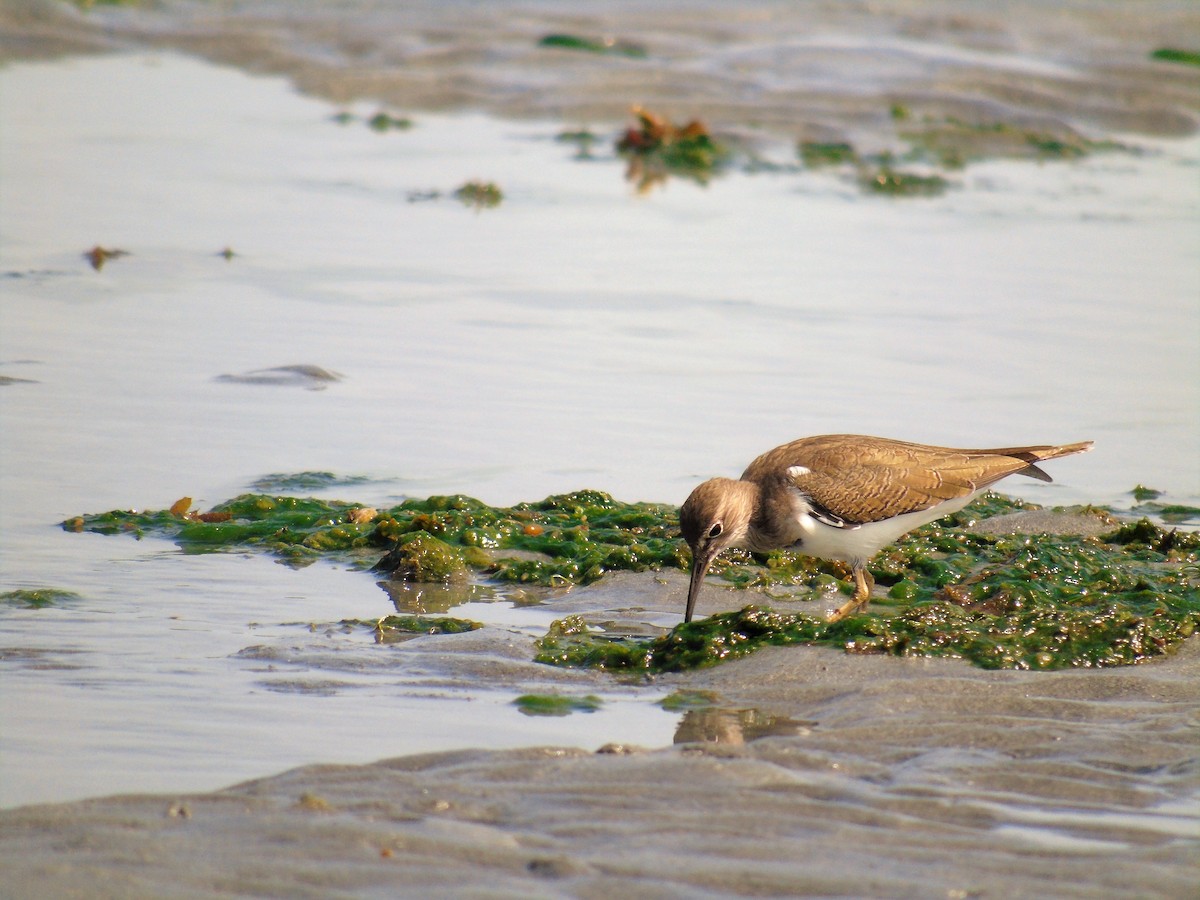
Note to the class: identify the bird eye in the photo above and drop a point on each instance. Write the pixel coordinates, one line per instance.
(715, 531)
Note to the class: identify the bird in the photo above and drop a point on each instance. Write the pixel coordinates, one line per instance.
(843, 497)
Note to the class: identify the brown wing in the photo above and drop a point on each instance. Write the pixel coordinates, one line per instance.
(864, 479)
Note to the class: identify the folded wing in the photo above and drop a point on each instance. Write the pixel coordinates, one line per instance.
(860, 479)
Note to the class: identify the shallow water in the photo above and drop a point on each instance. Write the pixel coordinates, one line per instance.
(906, 778)
(580, 335)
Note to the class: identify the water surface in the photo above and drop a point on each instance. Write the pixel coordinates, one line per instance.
(579, 335)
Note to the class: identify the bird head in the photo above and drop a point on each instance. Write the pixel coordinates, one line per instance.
(715, 516)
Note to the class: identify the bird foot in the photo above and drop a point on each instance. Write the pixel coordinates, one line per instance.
(849, 608)
(863, 583)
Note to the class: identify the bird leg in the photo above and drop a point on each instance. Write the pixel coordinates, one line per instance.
(863, 584)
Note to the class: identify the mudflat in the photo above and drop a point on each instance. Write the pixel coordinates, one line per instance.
(797, 770)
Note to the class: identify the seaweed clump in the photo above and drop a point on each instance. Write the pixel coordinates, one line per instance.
(601, 46)
(480, 194)
(816, 154)
(1026, 602)
(556, 704)
(657, 148)
(383, 122)
(38, 598)
(1147, 503)
(419, 556)
(887, 180)
(1010, 601)
(392, 629)
(570, 642)
(946, 143)
(1175, 55)
(565, 539)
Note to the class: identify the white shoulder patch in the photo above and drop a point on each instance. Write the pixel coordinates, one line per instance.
(798, 471)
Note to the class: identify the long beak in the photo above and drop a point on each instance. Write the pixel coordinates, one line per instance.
(700, 566)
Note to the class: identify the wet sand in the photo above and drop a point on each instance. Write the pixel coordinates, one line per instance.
(901, 778)
(805, 771)
(825, 70)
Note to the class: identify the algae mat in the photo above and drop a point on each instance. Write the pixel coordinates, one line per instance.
(1002, 601)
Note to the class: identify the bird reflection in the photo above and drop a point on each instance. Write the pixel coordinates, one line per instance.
(714, 725)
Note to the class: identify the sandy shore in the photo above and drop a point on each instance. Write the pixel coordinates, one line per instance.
(804, 771)
(899, 778)
(824, 71)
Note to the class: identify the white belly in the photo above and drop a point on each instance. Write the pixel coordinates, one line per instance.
(857, 545)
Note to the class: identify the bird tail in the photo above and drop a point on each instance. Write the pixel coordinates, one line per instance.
(1033, 455)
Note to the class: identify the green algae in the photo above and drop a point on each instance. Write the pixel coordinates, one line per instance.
(1140, 493)
(296, 529)
(580, 136)
(583, 140)
(556, 704)
(602, 46)
(38, 598)
(897, 183)
(280, 482)
(816, 154)
(656, 148)
(1016, 601)
(953, 143)
(566, 538)
(877, 174)
(383, 122)
(391, 629)
(570, 642)
(694, 154)
(1175, 55)
(419, 556)
(946, 144)
(1174, 513)
(480, 194)
(927, 147)
(683, 700)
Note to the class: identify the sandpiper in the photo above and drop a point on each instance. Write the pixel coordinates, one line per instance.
(843, 497)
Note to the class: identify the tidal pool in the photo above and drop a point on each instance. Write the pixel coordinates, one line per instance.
(579, 334)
